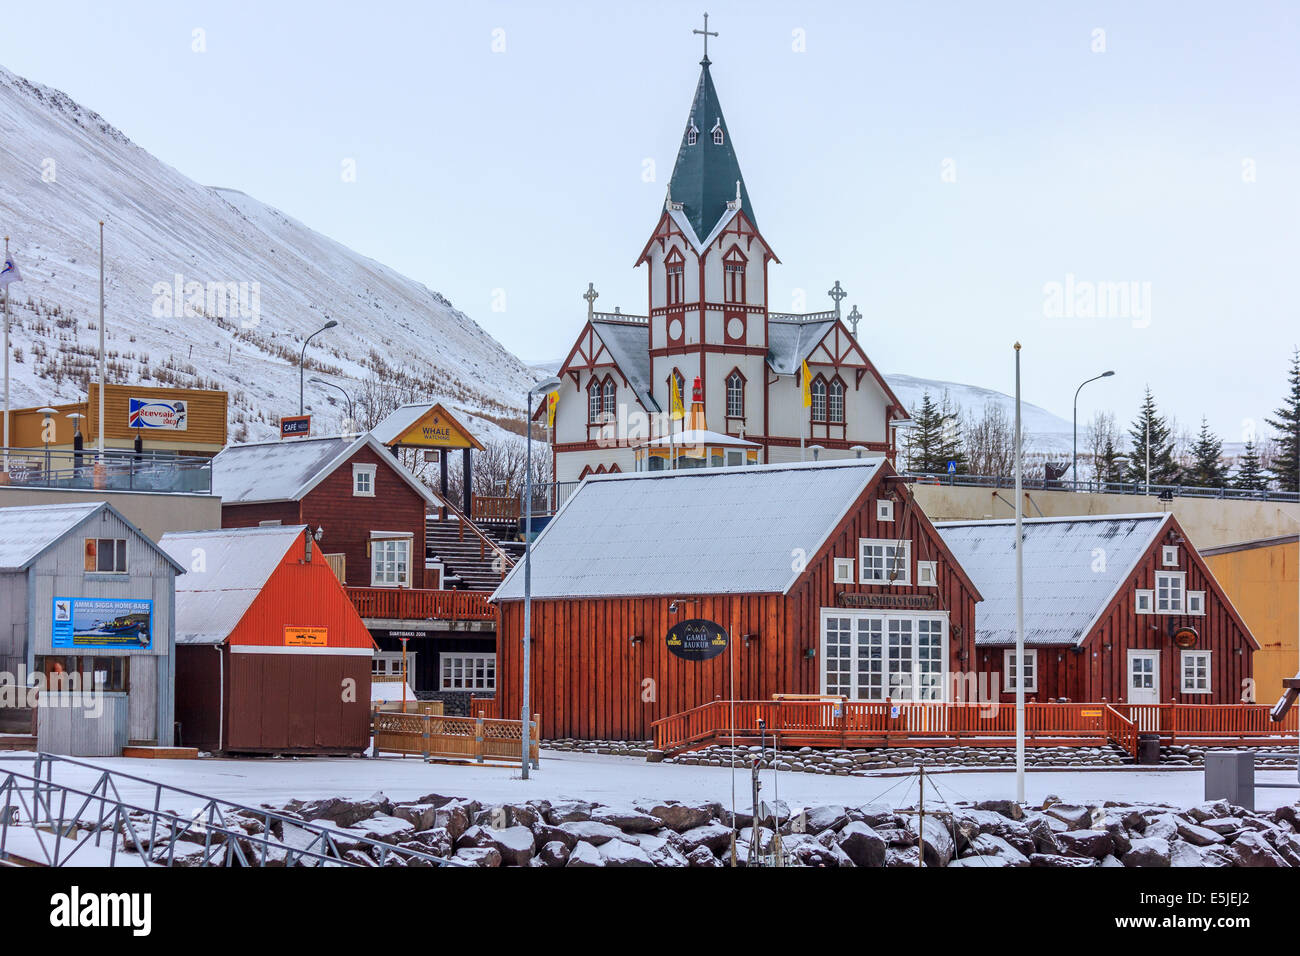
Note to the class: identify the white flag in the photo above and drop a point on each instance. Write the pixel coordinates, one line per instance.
(10, 273)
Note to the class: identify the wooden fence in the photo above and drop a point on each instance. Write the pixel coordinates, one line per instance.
(422, 604)
(838, 722)
(457, 738)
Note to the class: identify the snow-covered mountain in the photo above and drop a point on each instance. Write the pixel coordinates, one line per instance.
(265, 281)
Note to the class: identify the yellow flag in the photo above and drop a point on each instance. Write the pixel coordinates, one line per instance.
(807, 384)
(677, 412)
(552, 399)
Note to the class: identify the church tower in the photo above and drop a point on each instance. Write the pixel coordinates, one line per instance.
(707, 273)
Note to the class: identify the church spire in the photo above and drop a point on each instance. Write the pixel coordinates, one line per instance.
(706, 179)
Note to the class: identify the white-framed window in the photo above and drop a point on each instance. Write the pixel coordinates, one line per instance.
(884, 561)
(735, 395)
(717, 133)
(874, 655)
(843, 570)
(467, 672)
(927, 574)
(692, 133)
(735, 459)
(363, 480)
(1169, 555)
(106, 555)
(390, 562)
(1196, 672)
(1010, 673)
(1144, 601)
(818, 393)
(1170, 590)
(884, 509)
(1196, 602)
(835, 402)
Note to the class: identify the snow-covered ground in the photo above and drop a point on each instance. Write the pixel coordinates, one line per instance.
(620, 780)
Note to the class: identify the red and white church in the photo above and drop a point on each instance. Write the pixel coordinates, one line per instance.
(707, 273)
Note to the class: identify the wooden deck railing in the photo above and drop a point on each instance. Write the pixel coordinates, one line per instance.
(837, 722)
(466, 738)
(496, 508)
(420, 604)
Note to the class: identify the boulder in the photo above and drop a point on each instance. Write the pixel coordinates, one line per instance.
(1007, 808)
(1148, 852)
(875, 815)
(1162, 827)
(864, 846)
(340, 811)
(422, 816)
(1044, 836)
(1251, 849)
(619, 853)
(806, 850)
(702, 857)
(453, 817)
(1074, 817)
(1119, 837)
(592, 832)
(827, 817)
(988, 862)
(568, 811)
(1090, 843)
(585, 854)
(937, 839)
(1224, 826)
(384, 828)
(902, 856)
(1197, 835)
(514, 844)
(1014, 832)
(1111, 862)
(660, 849)
(544, 833)
(989, 844)
(1060, 862)
(681, 816)
(479, 855)
(626, 819)
(898, 836)
(553, 853)
(714, 836)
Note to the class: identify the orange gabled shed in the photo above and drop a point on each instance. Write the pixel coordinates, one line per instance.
(272, 657)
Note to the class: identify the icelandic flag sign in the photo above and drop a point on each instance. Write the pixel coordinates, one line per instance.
(10, 273)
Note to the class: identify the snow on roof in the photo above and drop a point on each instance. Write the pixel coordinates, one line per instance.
(790, 341)
(705, 531)
(227, 569)
(286, 470)
(27, 531)
(629, 346)
(1073, 568)
(400, 420)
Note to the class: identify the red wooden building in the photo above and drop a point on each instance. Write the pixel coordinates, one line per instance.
(1118, 608)
(271, 656)
(827, 578)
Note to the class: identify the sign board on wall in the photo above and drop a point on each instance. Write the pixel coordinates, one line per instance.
(697, 640)
(881, 602)
(124, 623)
(154, 413)
(306, 637)
(295, 426)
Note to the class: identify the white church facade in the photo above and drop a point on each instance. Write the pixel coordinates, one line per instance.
(708, 322)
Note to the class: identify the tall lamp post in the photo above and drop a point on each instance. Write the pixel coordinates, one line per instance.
(1074, 461)
(550, 385)
(317, 380)
(303, 358)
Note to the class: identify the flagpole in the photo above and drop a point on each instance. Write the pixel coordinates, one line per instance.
(99, 419)
(1020, 603)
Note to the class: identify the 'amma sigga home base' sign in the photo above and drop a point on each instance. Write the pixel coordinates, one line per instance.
(697, 640)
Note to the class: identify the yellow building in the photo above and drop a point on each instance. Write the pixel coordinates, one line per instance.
(187, 421)
(1260, 578)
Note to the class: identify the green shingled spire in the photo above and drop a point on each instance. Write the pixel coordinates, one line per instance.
(705, 176)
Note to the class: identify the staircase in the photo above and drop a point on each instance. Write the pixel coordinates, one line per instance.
(473, 559)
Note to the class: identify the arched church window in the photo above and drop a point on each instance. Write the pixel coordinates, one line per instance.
(819, 399)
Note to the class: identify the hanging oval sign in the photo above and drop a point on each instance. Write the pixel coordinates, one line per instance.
(1185, 636)
(697, 640)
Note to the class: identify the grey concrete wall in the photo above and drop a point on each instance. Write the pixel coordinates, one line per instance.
(154, 514)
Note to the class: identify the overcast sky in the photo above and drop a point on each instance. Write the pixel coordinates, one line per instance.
(946, 162)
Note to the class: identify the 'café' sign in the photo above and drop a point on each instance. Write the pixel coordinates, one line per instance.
(697, 640)
(895, 602)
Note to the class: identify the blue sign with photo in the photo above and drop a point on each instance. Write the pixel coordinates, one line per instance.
(102, 623)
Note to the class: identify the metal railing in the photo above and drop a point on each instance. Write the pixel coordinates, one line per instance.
(1100, 487)
(408, 604)
(62, 820)
(117, 470)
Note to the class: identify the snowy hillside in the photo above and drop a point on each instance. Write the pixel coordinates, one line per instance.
(64, 167)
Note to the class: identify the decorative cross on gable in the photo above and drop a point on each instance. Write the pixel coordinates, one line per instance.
(854, 318)
(706, 33)
(591, 295)
(837, 293)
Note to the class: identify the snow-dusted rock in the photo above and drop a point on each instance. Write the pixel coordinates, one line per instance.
(591, 831)
(568, 811)
(619, 853)
(1148, 852)
(864, 846)
(554, 853)
(679, 816)
(1198, 835)
(585, 854)
(514, 844)
(1060, 862)
(1075, 817)
(990, 844)
(1090, 843)
(1253, 850)
(714, 836)
(626, 819)
(479, 855)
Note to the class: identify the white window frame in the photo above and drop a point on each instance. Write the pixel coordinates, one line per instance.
(1009, 670)
(844, 573)
(886, 546)
(460, 672)
(1183, 685)
(363, 479)
(1144, 601)
(884, 509)
(883, 619)
(381, 542)
(718, 138)
(1196, 603)
(927, 574)
(125, 553)
(1169, 555)
(1180, 606)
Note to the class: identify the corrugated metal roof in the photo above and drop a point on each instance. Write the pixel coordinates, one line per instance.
(26, 531)
(1073, 568)
(236, 563)
(706, 531)
(629, 346)
(790, 341)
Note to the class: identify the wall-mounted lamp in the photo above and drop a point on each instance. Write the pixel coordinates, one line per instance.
(320, 532)
(747, 638)
(810, 653)
(672, 608)
(636, 639)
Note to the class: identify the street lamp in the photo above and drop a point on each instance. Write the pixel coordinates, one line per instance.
(1074, 463)
(550, 385)
(303, 358)
(47, 423)
(317, 380)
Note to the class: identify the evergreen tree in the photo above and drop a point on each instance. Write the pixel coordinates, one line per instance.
(1250, 472)
(1110, 464)
(951, 446)
(1207, 469)
(925, 438)
(1164, 470)
(1287, 425)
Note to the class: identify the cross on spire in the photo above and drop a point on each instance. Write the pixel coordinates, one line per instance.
(591, 295)
(706, 33)
(837, 293)
(854, 318)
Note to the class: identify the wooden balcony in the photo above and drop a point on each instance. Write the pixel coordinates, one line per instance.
(420, 604)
